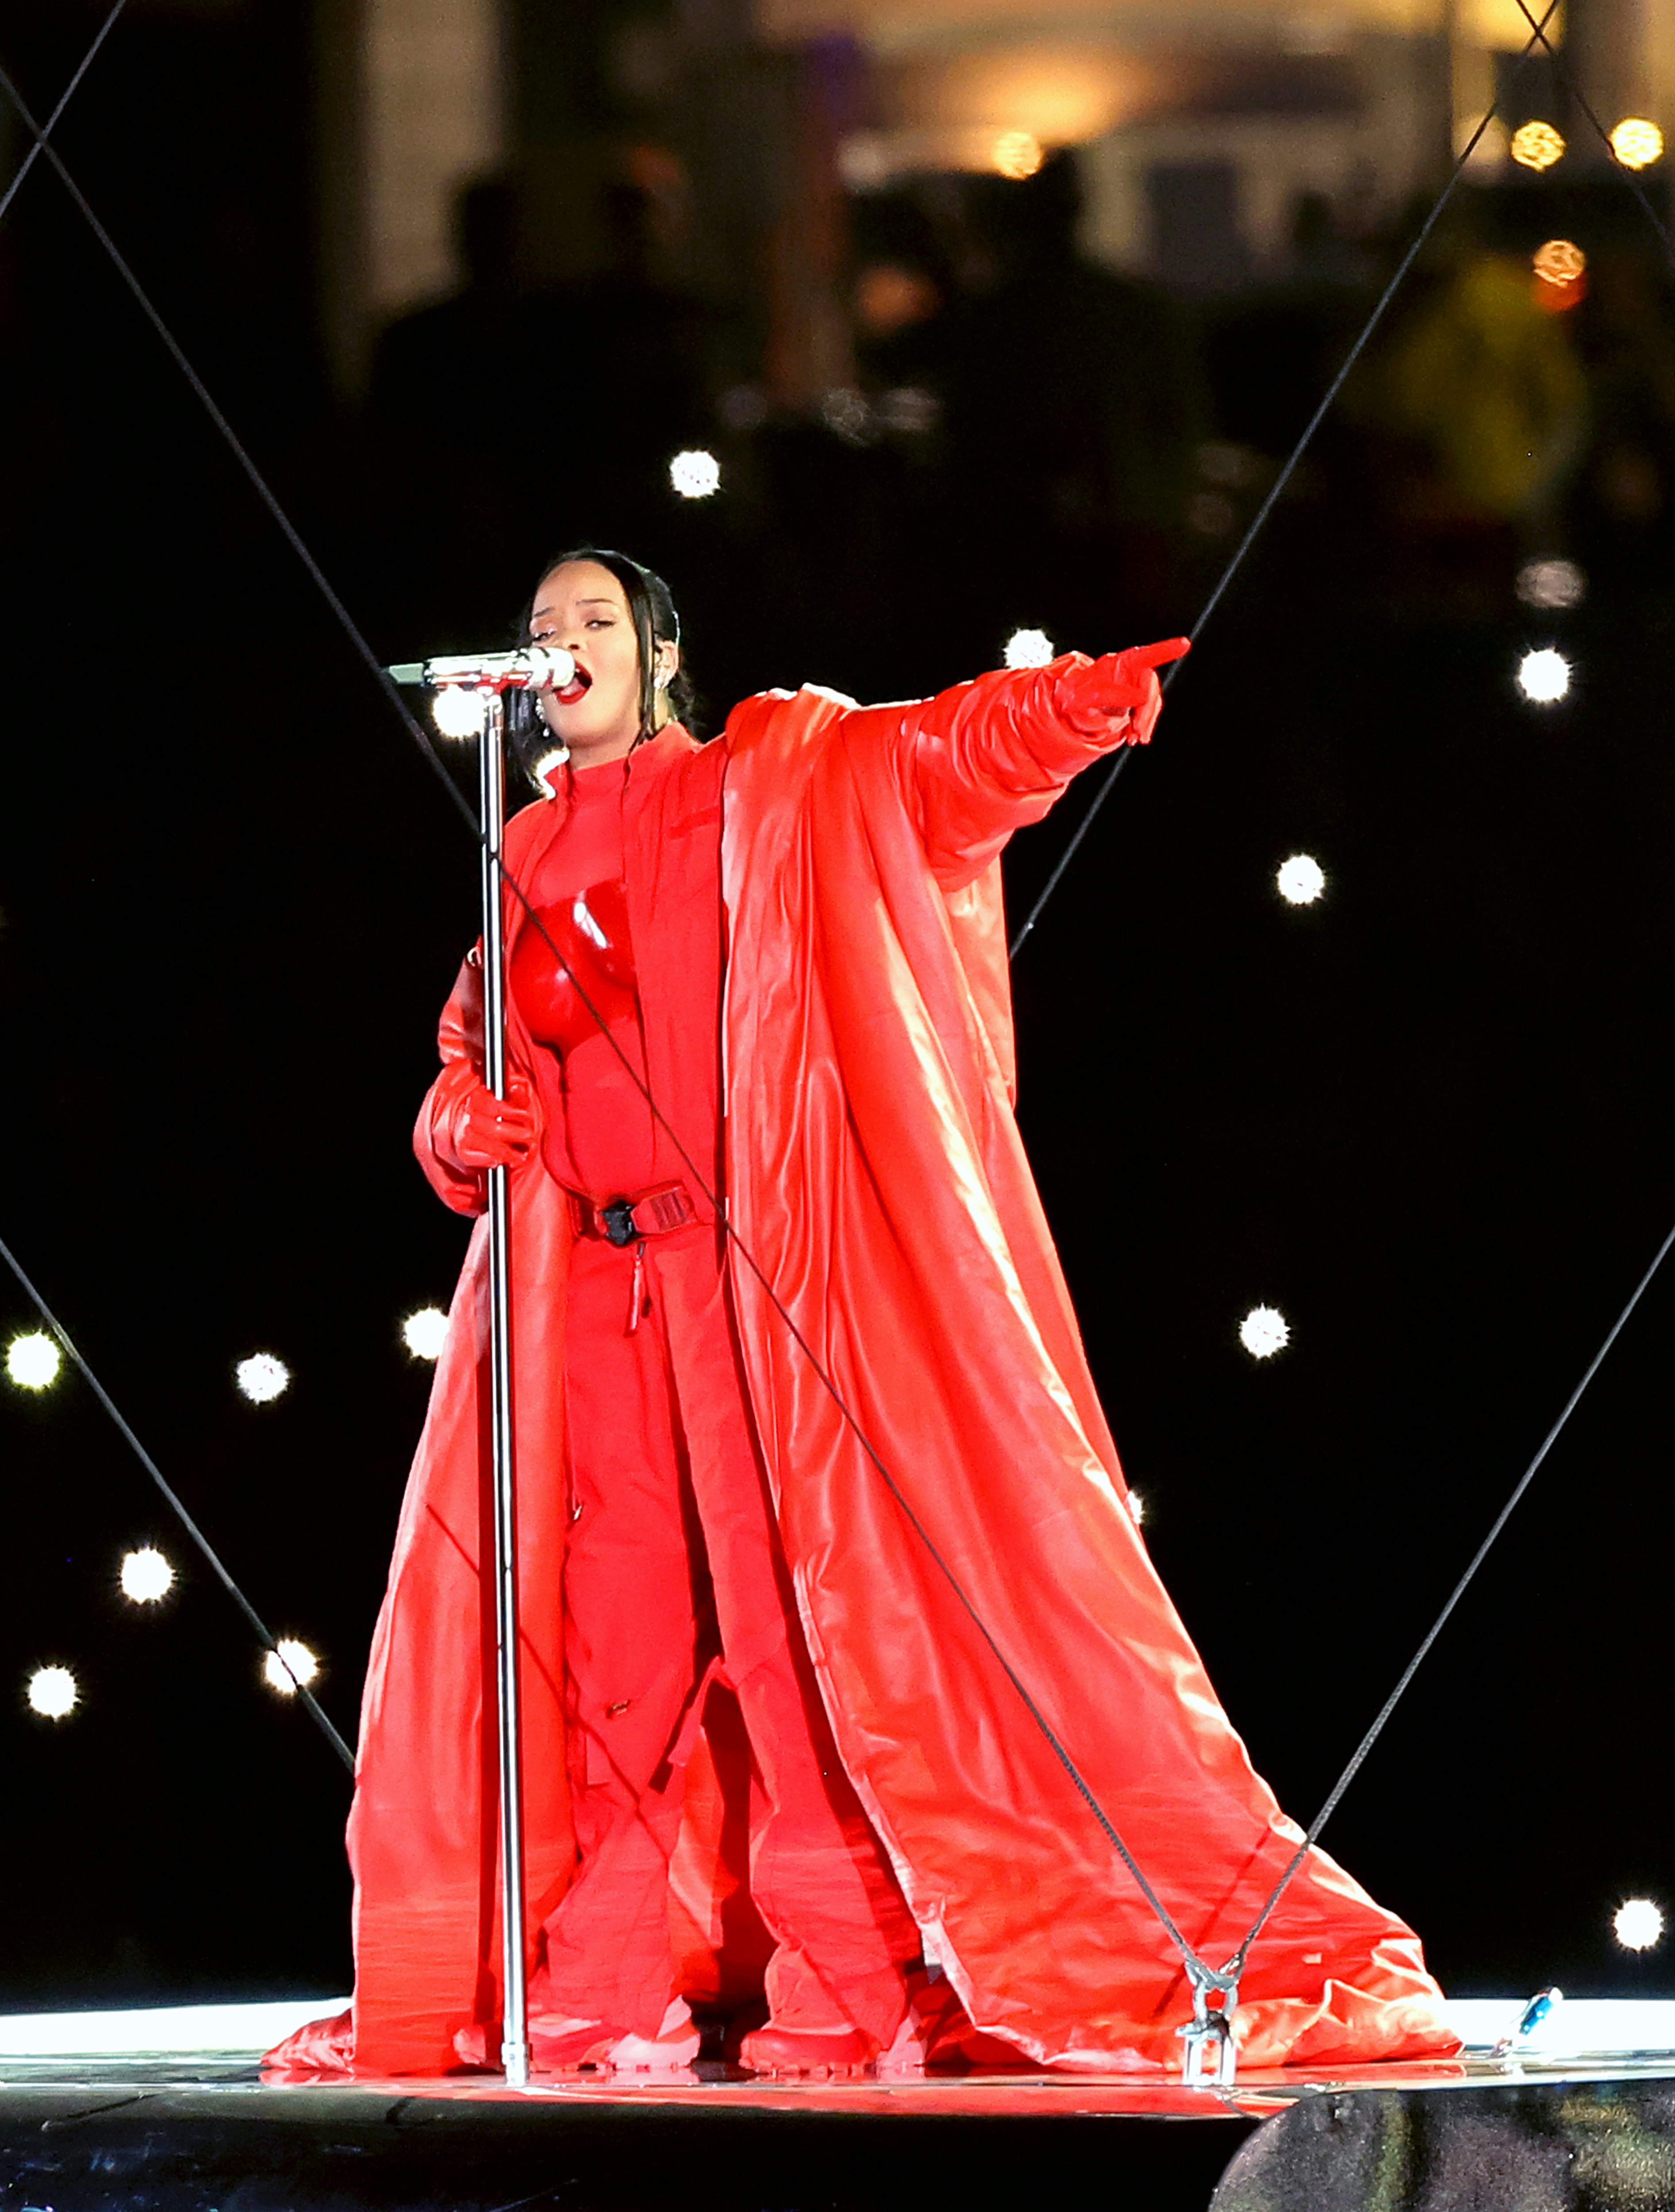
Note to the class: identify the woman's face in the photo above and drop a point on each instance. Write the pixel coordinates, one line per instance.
(583, 609)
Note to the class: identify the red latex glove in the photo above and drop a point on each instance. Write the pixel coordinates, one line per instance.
(486, 1131)
(1094, 696)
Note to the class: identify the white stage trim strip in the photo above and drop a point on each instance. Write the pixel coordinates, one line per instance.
(1587, 2027)
(162, 2032)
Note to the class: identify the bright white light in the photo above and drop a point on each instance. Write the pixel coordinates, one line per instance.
(456, 711)
(695, 474)
(1543, 676)
(1017, 154)
(1028, 648)
(1637, 1923)
(1137, 1508)
(1551, 584)
(549, 765)
(262, 1379)
(1301, 880)
(1636, 142)
(146, 1576)
(423, 1332)
(32, 1361)
(1536, 145)
(291, 1666)
(52, 1692)
(1264, 1331)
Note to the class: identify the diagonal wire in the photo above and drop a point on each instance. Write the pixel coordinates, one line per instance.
(417, 729)
(64, 99)
(1443, 1618)
(264, 1635)
(1563, 71)
(1276, 491)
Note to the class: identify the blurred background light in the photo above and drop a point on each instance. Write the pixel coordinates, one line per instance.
(52, 1692)
(1017, 154)
(1551, 584)
(1301, 879)
(146, 1576)
(292, 1666)
(456, 711)
(695, 474)
(262, 1379)
(1560, 261)
(32, 1361)
(1637, 1923)
(1028, 648)
(1137, 1508)
(1265, 1331)
(1537, 146)
(1636, 142)
(423, 1332)
(1543, 676)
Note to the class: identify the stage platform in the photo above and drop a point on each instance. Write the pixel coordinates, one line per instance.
(165, 2111)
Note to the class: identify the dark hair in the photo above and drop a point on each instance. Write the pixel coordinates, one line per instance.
(652, 609)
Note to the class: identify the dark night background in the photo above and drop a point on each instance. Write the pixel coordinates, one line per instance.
(1428, 1118)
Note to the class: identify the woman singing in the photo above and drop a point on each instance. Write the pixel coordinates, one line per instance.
(825, 1561)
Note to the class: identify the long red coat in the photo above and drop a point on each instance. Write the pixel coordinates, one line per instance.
(874, 1171)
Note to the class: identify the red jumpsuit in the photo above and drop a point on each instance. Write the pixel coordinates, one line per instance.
(660, 1478)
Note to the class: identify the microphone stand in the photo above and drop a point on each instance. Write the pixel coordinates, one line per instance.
(514, 2029)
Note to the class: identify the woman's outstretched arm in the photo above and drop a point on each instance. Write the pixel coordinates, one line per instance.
(989, 757)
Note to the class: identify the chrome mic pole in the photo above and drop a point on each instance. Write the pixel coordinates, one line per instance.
(514, 2031)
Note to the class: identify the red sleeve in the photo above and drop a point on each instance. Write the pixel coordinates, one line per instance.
(986, 758)
(459, 1038)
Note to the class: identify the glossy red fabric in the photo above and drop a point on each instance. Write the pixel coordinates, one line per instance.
(874, 1171)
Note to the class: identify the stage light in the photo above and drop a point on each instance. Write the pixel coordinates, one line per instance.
(695, 474)
(1560, 262)
(1637, 1924)
(1543, 676)
(146, 1576)
(1536, 145)
(1636, 142)
(289, 1668)
(1300, 880)
(1028, 648)
(32, 1361)
(262, 1379)
(52, 1692)
(1017, 154)
(456, 711)
(1264, 1331)
(1137, 1508)
(423, 1332)
(1551, 584)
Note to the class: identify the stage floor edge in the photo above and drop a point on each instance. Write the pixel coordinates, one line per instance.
(165, 2109)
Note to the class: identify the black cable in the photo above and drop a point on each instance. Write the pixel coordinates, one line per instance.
(294, 539)
(1276, 489)
(264, 1635)
(1442, 1619)
(68, 94)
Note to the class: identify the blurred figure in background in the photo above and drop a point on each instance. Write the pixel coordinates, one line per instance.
(1071, 407)
(1621, 512)
(1477, 398)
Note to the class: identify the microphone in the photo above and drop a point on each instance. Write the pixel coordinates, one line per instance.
(537, 668)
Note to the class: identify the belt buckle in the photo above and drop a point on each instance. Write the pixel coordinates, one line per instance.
(618, 1222)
